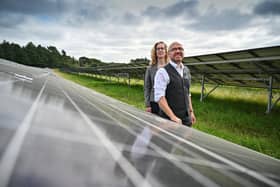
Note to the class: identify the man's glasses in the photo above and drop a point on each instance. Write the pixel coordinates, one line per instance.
(177, 48)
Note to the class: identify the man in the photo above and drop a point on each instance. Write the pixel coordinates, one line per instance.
(172, 83)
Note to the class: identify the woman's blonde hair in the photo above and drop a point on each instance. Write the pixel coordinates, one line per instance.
(154, 54)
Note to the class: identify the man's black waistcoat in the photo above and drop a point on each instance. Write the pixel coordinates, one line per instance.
(177, 93)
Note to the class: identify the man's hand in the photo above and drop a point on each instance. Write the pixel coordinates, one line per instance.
(193, 118)
(148, 109)
(177, 120)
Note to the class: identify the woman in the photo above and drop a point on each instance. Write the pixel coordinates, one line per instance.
(159, 59)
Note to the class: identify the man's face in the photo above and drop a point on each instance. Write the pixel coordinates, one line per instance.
(176, 53)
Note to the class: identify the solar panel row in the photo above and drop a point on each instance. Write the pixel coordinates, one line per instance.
(57, 133)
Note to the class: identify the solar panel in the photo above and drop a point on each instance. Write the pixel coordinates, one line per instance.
(251, 68)
(56, 133)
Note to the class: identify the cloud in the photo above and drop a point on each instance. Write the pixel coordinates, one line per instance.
(11, 20)
(182, 7)
(269, 7)
(188, 14)
(174, 10)
(213, 20)
(32, 7)
(65, 12)
(126, 19)
(130, 18)
(120, 30)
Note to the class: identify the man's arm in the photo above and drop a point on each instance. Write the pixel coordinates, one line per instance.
(191, 111)
(167, 110)
(193, 118)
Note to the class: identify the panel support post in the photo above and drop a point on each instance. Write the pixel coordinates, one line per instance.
(269, 96)
(202, 88)
(202, 95)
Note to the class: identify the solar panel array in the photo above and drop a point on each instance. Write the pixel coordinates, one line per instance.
(258, 68)
(134, 70)
(250, 68)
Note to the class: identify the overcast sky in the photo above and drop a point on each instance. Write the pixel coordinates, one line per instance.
(120, 30)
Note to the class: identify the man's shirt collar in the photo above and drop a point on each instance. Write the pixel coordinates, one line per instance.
(180, 66)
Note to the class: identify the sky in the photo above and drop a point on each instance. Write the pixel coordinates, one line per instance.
(121, 30)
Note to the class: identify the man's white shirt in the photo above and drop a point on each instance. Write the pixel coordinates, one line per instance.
(162, 79)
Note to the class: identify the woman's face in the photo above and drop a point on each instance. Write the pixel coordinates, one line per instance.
(160, 50)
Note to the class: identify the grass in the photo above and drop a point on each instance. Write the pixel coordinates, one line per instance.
(232, 113)
(132, 95)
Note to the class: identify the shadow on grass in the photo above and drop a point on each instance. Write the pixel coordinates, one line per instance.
(243, 105)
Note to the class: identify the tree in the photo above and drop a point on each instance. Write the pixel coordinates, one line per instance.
(30, 48)
(63, 53)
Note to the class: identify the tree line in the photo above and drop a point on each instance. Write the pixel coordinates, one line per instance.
(50, 57)
(40, 56)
